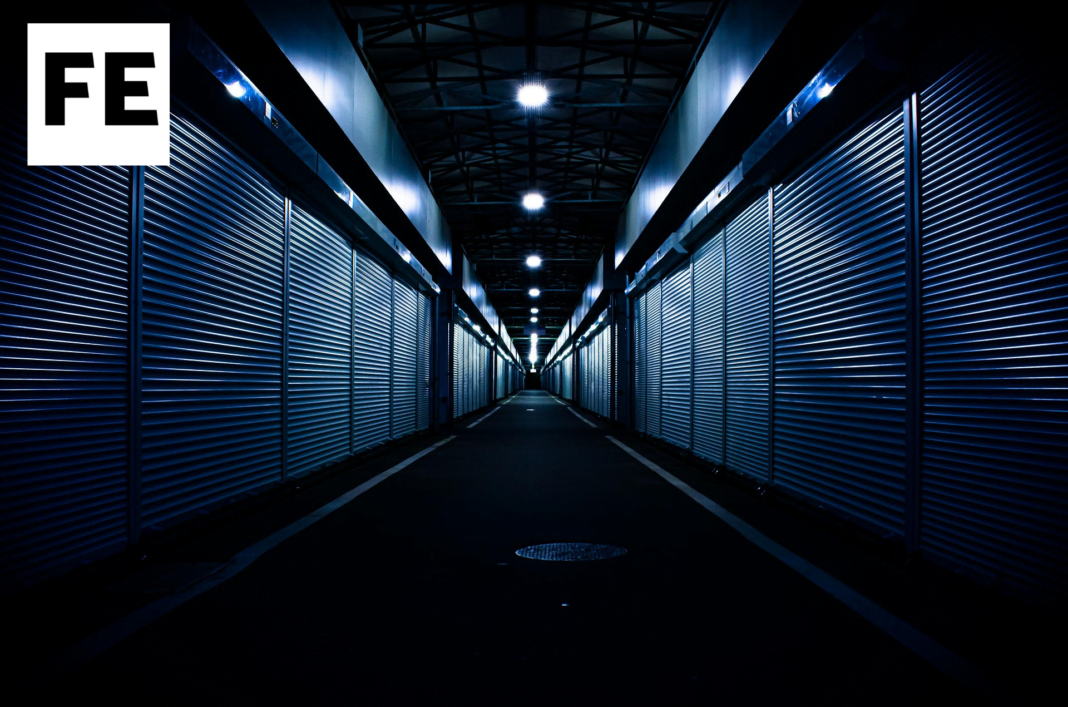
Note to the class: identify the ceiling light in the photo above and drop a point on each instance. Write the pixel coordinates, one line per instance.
(533, 310)
(824, 90)
(533, 201)
(533, 320)
(533, 261)
(236, 89)
(533, 338)
(533, 95)
(534, 292)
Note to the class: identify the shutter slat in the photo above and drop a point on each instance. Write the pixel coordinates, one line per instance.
(747, 352)
(708, 350)
(840, 328)
(371, 367)
(64, 349)
(676, 370)
(320, 348)
(212, 328)
(995, 302)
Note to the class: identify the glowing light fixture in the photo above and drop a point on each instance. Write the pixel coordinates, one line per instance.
(533, 95)
(533, 201)
(477, 327)
(533, 310)
(824, 90)
(533, 320)
(236, 89)
(533, 261)
(534, 292)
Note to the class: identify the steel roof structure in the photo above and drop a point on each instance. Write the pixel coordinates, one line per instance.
(450, 74)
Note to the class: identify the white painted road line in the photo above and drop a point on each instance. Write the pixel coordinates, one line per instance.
(75, 656)
(484, 417)
(912, 638)
(572, 411)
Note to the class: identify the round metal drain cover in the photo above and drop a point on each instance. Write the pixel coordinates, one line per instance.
(571, 552)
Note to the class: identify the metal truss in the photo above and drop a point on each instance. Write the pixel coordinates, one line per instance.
(450, 73)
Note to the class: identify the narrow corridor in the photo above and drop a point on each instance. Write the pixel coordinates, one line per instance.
(413, 589)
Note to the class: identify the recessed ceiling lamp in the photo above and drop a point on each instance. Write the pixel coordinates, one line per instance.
(533, 320)
(533, 261)
(533, 95)
(533, 310)
(534, 292)
(533, 201)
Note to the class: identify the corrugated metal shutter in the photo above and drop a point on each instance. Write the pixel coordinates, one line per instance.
(482, 353)
(708, 412)
(675, 362)
(213, 275)
(747, 354)
(372, 349)
(653, 359)
(641, 376)
(565, 377)
(405, 343)
(457, 368)
(320, 344)
(64, 274)
(840, 327)
(422, 390)
(995, 302)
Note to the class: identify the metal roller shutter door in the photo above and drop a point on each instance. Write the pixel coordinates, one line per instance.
(840, 327)
(675, 369)
(371, 354)
(565, 378)
(422, 362)
(995, 300)
(64, 352)
(320, 345)
(465, 372)
(747, 354)
(404, 369)
(653, 359)
(212, 328)
(457, 368)
(640, 364)
(483, 376)
(708, 388)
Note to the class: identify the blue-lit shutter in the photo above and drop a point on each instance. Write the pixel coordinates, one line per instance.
(212, 328)
(565, 378)
(675, 361)
(708, 323)
(64, 352)
(502, 376)
(483, 375)
(653, 358)
(995, 303)
(422, 390)
(320, 344)
(457, 369)
(371, 364)
(840, 327)
(748, 323)
(640, 364)
(405, 345)
(468, 373)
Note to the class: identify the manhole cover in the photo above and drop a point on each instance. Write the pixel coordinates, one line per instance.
(571, 552)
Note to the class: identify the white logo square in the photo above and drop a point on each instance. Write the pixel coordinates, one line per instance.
(98, 94)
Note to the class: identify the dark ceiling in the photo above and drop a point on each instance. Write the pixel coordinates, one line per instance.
(450, 74)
